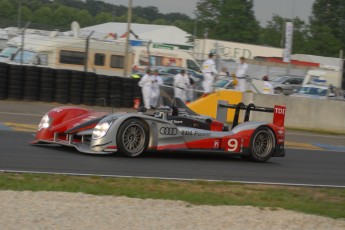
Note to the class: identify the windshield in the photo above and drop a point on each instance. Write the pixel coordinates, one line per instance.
(312, 91)
(8, 51)
(221, 83)
(28, 57)
(277, 78)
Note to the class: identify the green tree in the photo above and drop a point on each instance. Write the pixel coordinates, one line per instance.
(274, 33)
(84, 18)
(327, 27)
(160, 22)
(43, 15)
(140, 20)
(149, 13)
(322, 42)
(230, 20)
(26, 14)
(103, 17)
(64, 16)
(171, 17)
(7, 10)
(300, 36)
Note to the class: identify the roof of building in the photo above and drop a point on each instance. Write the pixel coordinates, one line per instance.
(146, 32)
(325, 62)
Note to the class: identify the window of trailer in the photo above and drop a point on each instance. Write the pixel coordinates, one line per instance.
(117, 61)
(99, 59)
(72, 57)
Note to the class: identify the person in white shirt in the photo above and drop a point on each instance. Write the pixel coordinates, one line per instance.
(181, 84)
(209, 70)
(146, 83)
(241, 73)
(268, 88)
(155, 88)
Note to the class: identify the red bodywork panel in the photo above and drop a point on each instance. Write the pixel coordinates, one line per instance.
(67, 117)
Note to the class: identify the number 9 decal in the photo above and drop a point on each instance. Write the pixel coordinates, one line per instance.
(232, 145)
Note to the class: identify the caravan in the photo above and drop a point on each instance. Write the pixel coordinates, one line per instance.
(60, 51)
(106, 57)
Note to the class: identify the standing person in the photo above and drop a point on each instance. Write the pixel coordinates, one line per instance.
(155, 90)
(268, 88)
(181, 84)
(146, 83)
(241, 73)
(209, 71)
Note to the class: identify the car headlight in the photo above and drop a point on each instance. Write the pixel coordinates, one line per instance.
(100, 130)
(45, 122)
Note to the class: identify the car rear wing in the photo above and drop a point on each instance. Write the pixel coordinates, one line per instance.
(223, 106)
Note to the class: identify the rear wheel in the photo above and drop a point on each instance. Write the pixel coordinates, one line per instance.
(262, 144)
(132, 138)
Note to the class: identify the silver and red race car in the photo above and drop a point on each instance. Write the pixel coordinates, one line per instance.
(172, 127)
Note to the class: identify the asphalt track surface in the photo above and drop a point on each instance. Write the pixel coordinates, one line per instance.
(311, 159)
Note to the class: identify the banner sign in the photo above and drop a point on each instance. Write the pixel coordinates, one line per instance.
(288, 41)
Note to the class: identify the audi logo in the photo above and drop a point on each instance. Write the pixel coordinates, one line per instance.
(168, 131)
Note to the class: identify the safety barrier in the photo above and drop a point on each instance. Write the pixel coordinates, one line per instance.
(32, 83)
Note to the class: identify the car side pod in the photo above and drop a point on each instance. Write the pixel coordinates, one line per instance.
(223, 106)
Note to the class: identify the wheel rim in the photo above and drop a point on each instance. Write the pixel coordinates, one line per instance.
(134, 138)
(263, 143)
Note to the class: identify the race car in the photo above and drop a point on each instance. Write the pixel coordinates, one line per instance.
(172, 127)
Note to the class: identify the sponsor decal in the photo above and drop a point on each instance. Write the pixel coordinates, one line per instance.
(177, 122)
(168, 131)
(216, 144)
(280, 132)
(279, 110)
(195, 133)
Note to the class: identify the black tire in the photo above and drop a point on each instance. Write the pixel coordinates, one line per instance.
(132, 138)
(262, 144)
(115, 103)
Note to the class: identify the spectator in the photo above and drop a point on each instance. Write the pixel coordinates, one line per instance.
(181, 84)
(209, 71)
(241, 74)
(146, 83)
(155, 88)
(268, 88)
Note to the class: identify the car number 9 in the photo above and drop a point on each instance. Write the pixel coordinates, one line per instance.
(232, 145)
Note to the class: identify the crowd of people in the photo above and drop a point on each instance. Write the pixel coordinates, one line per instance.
(209, 70)
(150, 87)
(183, 83)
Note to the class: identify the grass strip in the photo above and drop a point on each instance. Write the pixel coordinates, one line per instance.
(329, 202)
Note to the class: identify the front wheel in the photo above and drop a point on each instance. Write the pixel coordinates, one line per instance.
(132, 138)
(262, 144)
